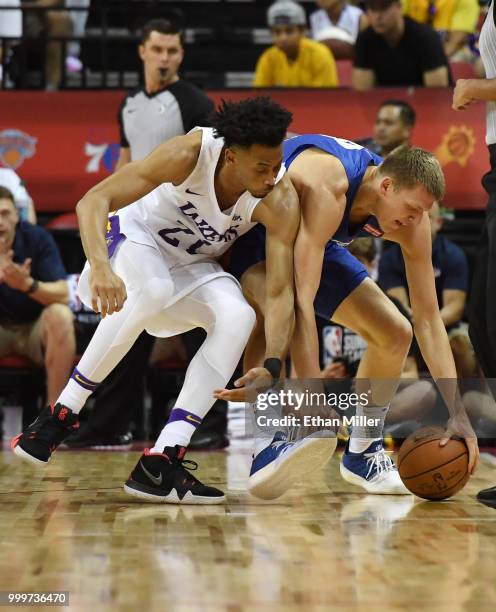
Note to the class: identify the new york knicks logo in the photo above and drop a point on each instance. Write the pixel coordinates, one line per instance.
(15, 147)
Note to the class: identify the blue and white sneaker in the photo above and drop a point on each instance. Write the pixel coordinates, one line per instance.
(280, 464)
(372, 470)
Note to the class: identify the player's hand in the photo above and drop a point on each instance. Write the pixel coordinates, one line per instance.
(461, 97)
(259, 377)
(109, 288)
(463, 429)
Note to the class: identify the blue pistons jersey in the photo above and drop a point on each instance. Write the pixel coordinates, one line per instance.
(341, 271)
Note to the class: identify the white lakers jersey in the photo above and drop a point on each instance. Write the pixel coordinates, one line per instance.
(185, 221)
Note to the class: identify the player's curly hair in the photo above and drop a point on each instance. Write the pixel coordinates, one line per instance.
(251, 121)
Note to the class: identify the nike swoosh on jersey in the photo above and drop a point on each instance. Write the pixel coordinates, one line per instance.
(155, 479)
(192, 192)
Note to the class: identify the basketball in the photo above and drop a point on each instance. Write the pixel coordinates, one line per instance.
(431, 471)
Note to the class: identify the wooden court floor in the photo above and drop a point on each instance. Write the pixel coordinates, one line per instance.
(323, 546)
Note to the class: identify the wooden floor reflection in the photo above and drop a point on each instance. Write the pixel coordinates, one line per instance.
(324, 546)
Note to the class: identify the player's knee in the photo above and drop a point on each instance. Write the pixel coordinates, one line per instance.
(239, 317)
(397, 335)
(401, 334)
(156, 292)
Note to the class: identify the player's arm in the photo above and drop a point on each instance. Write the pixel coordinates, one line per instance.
(280, 214)
(416, 245)
(124, 158)
(171, 162)
(321, 211)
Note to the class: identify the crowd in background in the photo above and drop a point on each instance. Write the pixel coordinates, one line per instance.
(390, 42)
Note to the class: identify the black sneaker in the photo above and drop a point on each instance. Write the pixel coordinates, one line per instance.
(85, 437)
(38, 441)
(162, 477)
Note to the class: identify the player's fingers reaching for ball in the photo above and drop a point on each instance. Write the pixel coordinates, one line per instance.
(259, 376)
(231, 395)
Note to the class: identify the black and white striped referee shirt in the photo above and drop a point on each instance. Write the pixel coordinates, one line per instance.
(148, 120)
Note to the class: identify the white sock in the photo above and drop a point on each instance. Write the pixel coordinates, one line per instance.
(177, 431)
(362, 436)
(77, 391)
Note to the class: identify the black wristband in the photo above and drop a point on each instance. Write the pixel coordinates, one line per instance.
(33, 287)
(274, 366)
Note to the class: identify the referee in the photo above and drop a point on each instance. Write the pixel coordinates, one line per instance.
(167, 105)
(482, 312)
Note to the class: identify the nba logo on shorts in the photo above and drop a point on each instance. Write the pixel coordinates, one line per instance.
(332, 337)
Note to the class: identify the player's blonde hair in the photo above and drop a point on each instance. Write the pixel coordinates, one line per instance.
(412, 166)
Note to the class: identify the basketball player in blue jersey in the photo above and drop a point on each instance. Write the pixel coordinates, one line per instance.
(345, 190)
(178, 210)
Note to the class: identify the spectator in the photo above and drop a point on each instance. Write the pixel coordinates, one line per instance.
(393, 127)
(10, 26)
(451, 273)
(337, 25)
(55, 23)
(294, 60)
(166, 106)
(35, 321)
(23, 201)
(397, 51)
(78, 24)
(455, 21)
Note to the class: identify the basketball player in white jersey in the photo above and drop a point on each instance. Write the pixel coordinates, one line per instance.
(179, 209)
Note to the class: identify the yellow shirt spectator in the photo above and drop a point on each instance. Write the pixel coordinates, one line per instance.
(314, 66)
(444, 15)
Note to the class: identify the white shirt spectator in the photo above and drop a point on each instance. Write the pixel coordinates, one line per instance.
(11, 21)
(349, 21)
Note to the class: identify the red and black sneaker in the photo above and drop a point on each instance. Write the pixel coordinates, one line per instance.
(38, 441)
(162, 477)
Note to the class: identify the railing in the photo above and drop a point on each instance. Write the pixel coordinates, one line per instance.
(111, 36)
